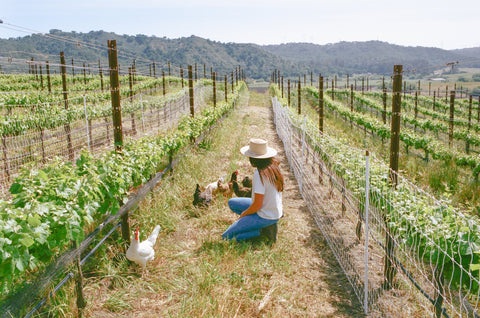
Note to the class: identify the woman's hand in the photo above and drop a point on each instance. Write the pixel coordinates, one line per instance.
(255, 206)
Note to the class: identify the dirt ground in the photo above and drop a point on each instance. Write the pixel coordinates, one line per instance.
(330, 292)
(313, 285)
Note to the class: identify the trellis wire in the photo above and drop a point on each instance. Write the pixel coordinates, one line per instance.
(416, 270)
(36, 146)
(70, 274)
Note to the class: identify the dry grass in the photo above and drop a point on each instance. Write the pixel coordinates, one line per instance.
(197, 274)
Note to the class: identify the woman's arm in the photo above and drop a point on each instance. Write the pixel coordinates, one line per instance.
(255, 206)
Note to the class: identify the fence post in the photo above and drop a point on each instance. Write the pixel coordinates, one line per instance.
(333, 90)
(351, 98)
(181, 75)
(384, 114)
(416, 105)
(63, 70)
(226, 89)
(196, 73)
(299, 97)
(73, 73)
(48, 78)
(214, 89)
(367, 203)
(141, 109)
(452, 114)
(81, 302)
(470, 101)
(130, 80)
(282, 86)
(389, 269)
(190, 90)
(320, 104)
(154, 71)
(84, 74)
(478, 110)
(86, 122)
(163, 82)
(300, 185)
(101, 75)
(288, 91)
(41, 76)
(115, 93)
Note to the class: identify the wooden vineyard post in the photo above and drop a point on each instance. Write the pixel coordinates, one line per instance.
(6, 167)
(84, 74)
(63, 70)
(429, 88)
(115, 93)
(384, 99)
(452, 114)
(196, 73)
(416, 105)
(333, 90)
(169, 69)
(434, 96)
(363, 85)
(299, 97)
(478, 110)
(73, 72)
(130, 81)
(49, 81)
(181, 76)
(41, 77)
(154, 71)
(163, 83)
(282, 86)
(101, 75)
(288, 92)
(470, 101)
(190, 90)
(226, 89)
(311, 78)
(81, 302)
(214, 89)
(320, 104)
(351, 98)
(389, 269)
(232, 81)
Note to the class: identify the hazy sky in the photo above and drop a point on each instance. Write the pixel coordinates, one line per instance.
(433, 23)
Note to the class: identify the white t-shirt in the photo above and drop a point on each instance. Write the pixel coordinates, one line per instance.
(272, 208)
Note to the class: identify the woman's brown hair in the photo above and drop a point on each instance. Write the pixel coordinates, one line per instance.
(269, 170)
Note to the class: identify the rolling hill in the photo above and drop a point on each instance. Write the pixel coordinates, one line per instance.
(258, 61)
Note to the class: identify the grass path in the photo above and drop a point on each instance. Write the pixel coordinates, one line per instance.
(197, 274)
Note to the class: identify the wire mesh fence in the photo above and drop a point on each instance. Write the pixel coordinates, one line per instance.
(416, 256)
(143, 114)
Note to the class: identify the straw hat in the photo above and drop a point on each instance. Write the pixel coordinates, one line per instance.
(257, 148)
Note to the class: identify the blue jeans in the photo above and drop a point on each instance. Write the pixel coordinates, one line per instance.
(247, 227)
